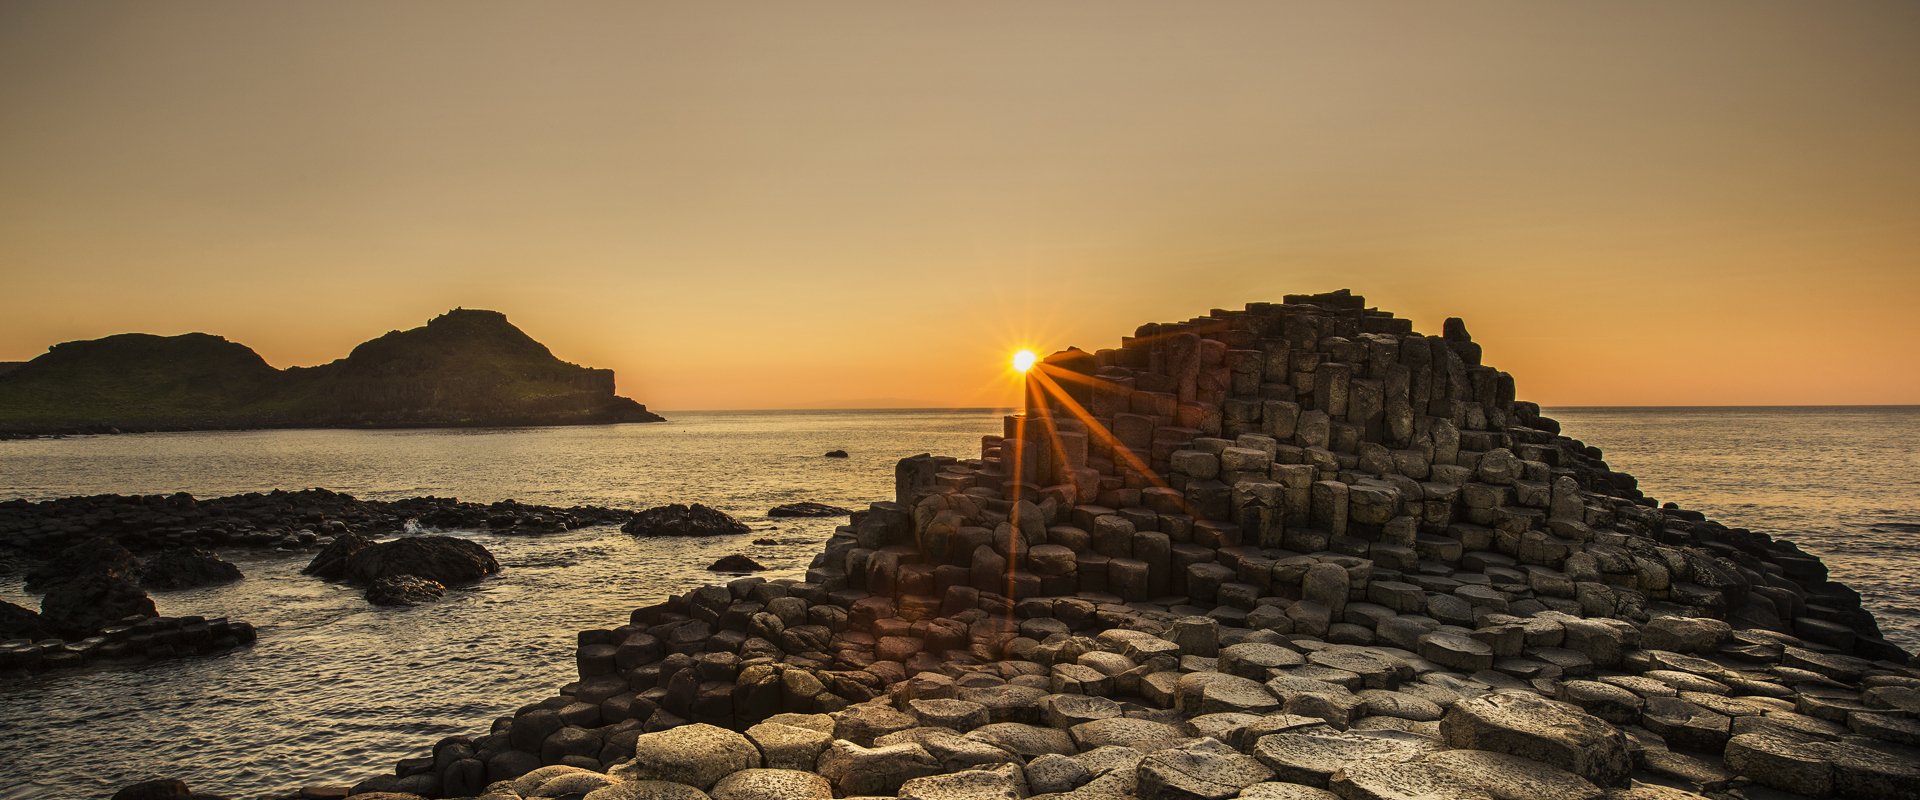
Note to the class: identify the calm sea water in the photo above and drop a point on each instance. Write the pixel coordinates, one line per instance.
(335, 691)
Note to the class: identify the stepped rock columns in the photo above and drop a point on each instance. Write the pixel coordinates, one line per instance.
(1223, 457)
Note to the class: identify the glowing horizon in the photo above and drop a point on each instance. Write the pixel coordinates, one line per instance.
(871, 205)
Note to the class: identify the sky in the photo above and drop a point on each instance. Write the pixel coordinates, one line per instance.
(871, 204)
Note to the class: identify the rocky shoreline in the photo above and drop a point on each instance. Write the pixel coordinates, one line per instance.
(1296, 551)
(81, 553)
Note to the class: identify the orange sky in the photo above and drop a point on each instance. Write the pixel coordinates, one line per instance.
(767, 205)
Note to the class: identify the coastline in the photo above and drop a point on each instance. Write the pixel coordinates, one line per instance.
(915, 633)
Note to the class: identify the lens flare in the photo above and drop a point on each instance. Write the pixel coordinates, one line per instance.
(1023, 360)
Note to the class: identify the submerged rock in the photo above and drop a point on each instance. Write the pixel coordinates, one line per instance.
(404, 590)
(808, 510)
(444, 559)
(736, 563)
(680, 520)
(187, 568)
(331, 563)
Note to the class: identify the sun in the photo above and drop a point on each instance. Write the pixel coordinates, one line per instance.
(1023, 360)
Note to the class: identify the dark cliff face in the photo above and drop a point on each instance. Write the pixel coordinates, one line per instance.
(466, 367)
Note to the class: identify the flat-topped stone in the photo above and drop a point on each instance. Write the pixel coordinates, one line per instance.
(1533, 727)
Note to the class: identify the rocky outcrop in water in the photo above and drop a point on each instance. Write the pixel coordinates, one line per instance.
(679, 520)
(442, 559)
(467, 367)
(808, 510)
(1296, 551)
(82, 606)
(17, 622)
(277, 520)
(128, 640)
(97, 556)
(404, 590)
(331, 563)
(736, 563)
(186, 568)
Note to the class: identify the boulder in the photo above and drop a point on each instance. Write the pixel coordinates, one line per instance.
(1684, 634)
(736, 563)
(1514, 778)
(808, 510)
(159, 789)
(1413, 781)
(1139, 734)
(573, 783)
(444, 559)
(1285, 791)
(1311, 758)
(679, 520)
(697, 755)
(1531, 726)
(836, 454)
(17, 622)
(1026, 741)
(96, 556)
(79, 607)
(875, 771)
(863, 723)
(1203, 770)
(969, 785)
(787, 746)
(404, 590)
(772, 784)
(1053, 773)
(331, 563)
(644, 790)
(186, 568)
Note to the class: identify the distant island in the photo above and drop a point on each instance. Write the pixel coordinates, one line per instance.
(466, 367)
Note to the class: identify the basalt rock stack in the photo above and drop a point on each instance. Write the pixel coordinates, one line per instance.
(1295, 551)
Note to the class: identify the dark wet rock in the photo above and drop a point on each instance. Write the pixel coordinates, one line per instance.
(331, 563)
(836, 454)
(17, 622)
(808, 510)
(736, 563)
(187, 568)
(99, 556)
(81, 607)
(159, 789)
(766, 542)
(404, 590)
(443, 559)
(679, 520)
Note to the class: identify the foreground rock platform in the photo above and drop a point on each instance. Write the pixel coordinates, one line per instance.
(1295, 551)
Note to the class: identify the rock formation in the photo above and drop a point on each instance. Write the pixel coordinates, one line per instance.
(678, 520)
(808, 510)
(466, 367)
(1296, 551)
(186, 568)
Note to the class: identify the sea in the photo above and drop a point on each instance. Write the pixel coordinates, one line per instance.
(335, 690)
